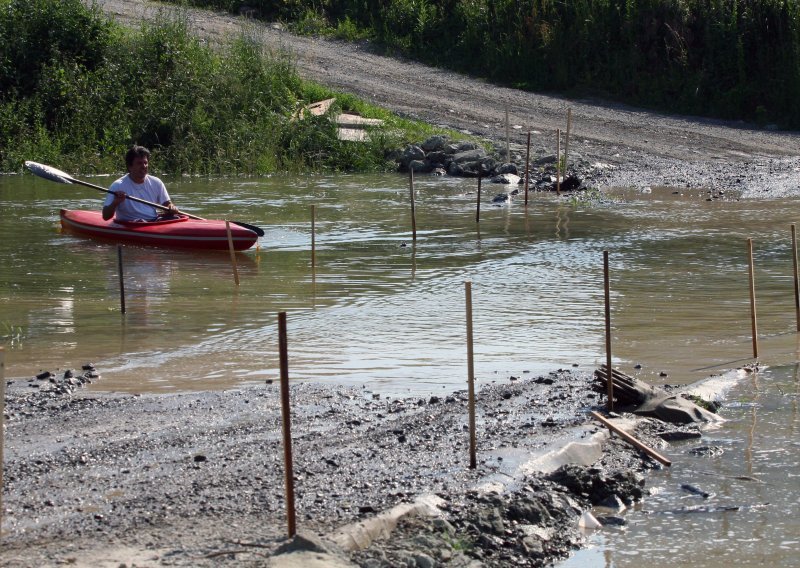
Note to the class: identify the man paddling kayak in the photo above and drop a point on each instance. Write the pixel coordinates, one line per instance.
(137, 183)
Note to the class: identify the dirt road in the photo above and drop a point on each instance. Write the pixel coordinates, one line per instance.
(644, 148)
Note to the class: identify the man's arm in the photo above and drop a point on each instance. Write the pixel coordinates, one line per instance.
(109, 210)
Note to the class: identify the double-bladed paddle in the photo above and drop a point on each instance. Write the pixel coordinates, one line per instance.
(58, 176)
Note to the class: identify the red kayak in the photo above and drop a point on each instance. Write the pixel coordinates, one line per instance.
(180, 232)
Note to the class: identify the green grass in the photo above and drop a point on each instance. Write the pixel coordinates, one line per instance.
(77, 90)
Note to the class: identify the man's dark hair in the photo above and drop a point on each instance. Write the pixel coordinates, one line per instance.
(136, 152)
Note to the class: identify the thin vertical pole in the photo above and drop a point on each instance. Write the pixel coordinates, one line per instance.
(121, 279)
(796, 279)
(527, 166)
(473, 460)
(558, 161)
(606, 280)
(2, 426)
(233, 252)
(478, 205)
(566, 141)
(287, 434)
(413, 210)
(753, 319)
(313, 238)
(508, 143)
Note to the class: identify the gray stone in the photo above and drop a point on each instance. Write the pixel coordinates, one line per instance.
(507, 168)
(678, 410)
(434, 144)
(424, 561)
(469, 156)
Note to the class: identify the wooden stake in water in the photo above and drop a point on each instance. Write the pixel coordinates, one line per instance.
(796, 279)
(233, 253)
(508, 136)
(527, 166)
(413, 210)
(610, 403)
(558, 161)
(121, 279)
(473, 459)
(2, 426)
(566, 141)
(478, 205)
(283, 352)
(313, 239)
(753, 318)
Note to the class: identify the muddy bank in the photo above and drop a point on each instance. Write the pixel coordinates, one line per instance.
(197, 479)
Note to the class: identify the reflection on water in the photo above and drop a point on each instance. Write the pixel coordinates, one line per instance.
(382, 311)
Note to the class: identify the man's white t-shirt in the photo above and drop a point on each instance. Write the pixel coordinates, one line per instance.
(151, 189)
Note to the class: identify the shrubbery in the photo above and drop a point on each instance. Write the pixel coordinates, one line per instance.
(76, 90)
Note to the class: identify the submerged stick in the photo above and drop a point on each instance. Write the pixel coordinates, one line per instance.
(607, 287)
(413, 210)
(233, 253)
(631, 440)
(121, 279)
(796, 279)
(473, 460)
(283, 352)
(753, 318)
(527, 166)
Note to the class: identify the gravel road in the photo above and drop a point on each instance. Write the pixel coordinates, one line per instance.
(645, 148)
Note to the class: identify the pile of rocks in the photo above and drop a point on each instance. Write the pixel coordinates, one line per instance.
(438, 156)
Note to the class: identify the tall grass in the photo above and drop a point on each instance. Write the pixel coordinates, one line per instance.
(723, 58)
(77, 90)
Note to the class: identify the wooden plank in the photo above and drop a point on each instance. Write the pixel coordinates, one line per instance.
(631, 440)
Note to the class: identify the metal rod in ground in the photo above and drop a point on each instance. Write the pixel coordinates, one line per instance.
(283, 352)
(313, 238)
(413, 210)
(558, 161)
(566, 140)
(478, 205)
(796, 278)
(631, 440)
(473, 460)
(753, 318)
(2, 427)
(121, 279)
(606, 280)
(233, 253)
(527, 166)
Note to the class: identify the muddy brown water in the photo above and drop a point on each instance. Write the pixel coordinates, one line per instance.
(380, 312)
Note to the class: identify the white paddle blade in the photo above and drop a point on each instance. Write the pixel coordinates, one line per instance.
(47, 172)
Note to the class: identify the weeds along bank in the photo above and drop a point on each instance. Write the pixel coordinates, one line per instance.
(722, 58)
(76, 89)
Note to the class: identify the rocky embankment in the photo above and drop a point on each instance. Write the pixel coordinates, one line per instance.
(197, 478)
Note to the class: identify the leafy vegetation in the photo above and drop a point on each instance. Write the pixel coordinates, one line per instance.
(76, 90)
(723, 58)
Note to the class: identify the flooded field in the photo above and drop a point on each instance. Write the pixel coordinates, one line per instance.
(379, 311)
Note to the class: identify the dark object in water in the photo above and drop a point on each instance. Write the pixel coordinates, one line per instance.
(694, 490)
